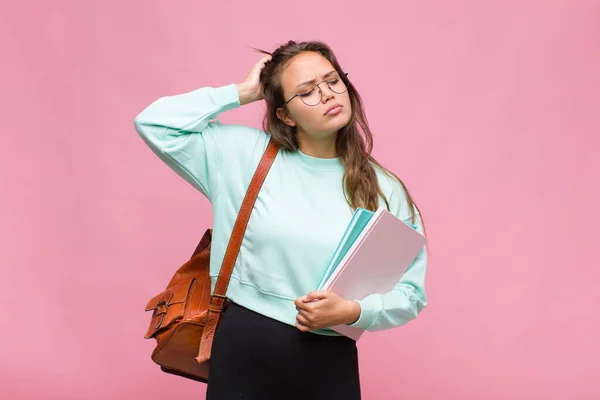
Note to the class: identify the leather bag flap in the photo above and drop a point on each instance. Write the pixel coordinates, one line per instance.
(168, 306)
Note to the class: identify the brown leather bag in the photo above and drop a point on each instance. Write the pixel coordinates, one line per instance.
(185, 315)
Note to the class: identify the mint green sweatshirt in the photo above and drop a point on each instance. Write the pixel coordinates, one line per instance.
(299, 216)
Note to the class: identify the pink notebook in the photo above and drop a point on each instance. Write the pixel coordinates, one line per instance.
(376, 261)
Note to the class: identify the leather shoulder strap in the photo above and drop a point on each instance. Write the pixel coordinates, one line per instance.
(239, 228)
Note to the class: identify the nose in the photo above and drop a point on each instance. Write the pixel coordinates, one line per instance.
(326, 93)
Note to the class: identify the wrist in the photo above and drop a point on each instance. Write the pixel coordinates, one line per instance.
(354, 311)
(245, 94)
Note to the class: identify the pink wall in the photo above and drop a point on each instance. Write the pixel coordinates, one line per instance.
(488, 110)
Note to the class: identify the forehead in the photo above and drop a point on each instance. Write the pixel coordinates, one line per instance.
(305, 66)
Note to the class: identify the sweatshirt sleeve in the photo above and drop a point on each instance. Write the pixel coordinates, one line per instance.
(407, 299)
(180, 130)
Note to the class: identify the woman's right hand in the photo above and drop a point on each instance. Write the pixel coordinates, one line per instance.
(251, 90)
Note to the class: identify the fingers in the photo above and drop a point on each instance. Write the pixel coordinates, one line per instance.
(306, 316)
(315, 295)
(254, 75)
(262, 62)
(306, 302)
(300, 304)
(302, 323)
(303, 319)
(301, 327)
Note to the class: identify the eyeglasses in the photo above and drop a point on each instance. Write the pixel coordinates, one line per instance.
(312, 95)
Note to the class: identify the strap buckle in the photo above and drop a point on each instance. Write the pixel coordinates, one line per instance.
(217, 302)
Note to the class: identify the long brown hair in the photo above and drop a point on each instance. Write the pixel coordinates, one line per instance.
(354, 141)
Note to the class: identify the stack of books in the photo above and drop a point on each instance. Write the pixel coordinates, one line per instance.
(371, 257)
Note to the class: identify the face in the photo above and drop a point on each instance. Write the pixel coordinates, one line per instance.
(299, 78)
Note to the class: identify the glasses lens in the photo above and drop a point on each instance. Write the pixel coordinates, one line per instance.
(336, 84)
(311, 97)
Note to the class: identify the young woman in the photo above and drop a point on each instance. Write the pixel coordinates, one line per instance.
(272, 341)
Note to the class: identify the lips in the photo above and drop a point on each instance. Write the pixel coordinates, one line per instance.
(333, 107)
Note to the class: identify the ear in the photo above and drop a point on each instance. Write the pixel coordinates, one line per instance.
(284, 117)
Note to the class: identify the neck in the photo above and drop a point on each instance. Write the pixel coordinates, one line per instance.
(323, 147)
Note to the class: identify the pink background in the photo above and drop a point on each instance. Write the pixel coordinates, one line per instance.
(488, 110)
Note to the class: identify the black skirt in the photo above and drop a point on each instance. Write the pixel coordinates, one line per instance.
(256, 357)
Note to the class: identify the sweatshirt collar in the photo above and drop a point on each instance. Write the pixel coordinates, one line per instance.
(322, 164)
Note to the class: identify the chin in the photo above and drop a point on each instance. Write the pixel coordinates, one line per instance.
(331, 129)
(341, 121)
(334, 124)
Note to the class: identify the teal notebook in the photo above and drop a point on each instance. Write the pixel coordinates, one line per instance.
(356, 225)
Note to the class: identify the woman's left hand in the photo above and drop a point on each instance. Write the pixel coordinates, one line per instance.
(322, 309)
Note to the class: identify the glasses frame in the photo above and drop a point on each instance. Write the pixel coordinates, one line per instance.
(342, 76)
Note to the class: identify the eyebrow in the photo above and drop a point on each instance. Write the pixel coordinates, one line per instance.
(314, 80)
